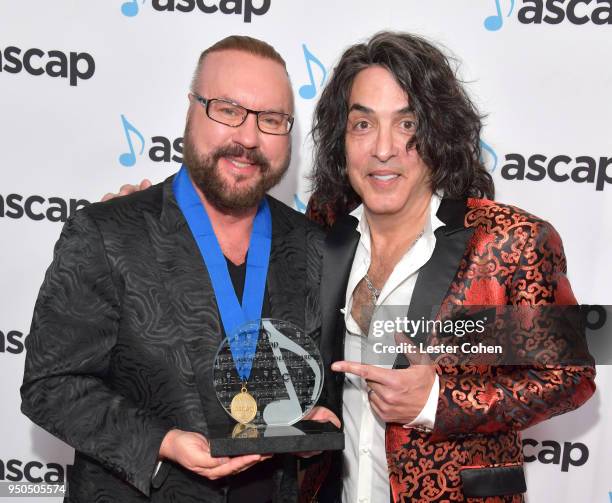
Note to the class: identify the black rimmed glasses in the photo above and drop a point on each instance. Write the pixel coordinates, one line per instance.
(233, 115)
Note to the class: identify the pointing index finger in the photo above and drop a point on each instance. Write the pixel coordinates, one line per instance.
(367, 372)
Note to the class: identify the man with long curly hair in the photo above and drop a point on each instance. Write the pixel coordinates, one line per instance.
(398, 179)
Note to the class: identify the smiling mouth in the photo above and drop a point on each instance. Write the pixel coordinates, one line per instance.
(239, 164)
(242, 164)
(384, 178)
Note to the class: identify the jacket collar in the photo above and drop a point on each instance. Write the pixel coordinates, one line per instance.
(432, 283)
(452, 213)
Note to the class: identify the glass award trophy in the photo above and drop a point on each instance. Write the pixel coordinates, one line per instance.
(268, 375)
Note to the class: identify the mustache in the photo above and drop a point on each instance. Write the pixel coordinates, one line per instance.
(254, 156)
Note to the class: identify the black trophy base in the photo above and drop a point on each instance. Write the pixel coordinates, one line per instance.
(246, 439)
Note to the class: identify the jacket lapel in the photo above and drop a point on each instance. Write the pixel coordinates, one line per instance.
(286, 279)
(437, 274)
(193, 308)
(339, 250)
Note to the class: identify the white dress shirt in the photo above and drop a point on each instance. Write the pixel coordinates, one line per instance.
(365, 463)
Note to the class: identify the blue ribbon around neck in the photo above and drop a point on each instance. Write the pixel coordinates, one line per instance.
(233, 314)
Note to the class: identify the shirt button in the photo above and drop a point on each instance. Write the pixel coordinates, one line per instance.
(365, 450)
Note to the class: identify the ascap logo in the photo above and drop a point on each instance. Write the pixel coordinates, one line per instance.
(74, 66)
(54, 209)
(558, 168)
(15, 470)
(550, 452)
(245, 8)
(11, 342)
(162, 148)
(577, 12)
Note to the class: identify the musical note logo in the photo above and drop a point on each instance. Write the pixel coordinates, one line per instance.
(496, 21)
(299, 205)
(128, 159)
(287, 411)
(130, 8)
(309, 91)
(486, 148)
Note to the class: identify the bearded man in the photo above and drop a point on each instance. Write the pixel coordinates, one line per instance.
(132, 311)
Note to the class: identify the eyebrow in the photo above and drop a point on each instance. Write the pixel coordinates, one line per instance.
(367, 110)
(235, 102)
(225, 97)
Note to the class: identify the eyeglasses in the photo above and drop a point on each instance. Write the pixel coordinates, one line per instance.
(230, 114)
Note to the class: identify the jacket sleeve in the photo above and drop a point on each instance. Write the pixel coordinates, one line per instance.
(73, 332)
(480, 399)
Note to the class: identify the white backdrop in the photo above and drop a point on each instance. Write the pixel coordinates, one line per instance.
(540, 71)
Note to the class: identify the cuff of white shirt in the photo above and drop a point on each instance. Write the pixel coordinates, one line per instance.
(427, 417)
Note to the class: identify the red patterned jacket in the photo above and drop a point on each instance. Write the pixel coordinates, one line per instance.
(486, 254)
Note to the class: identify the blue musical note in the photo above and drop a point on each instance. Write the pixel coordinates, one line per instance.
(130, 8)
(495, 22)
(299, 205)
(487, 148)
(129, 158)
(511, 8)
(309, 91)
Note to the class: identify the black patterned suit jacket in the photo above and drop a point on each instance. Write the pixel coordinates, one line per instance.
(117, 351)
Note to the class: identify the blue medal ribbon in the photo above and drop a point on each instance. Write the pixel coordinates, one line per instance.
(233, 314)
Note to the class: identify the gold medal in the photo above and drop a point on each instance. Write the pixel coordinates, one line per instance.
(243, 407)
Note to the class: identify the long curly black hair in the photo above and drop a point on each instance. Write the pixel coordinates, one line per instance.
(448, 125)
